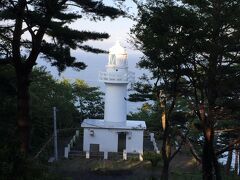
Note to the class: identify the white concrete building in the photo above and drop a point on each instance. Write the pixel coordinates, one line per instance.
(114, 133)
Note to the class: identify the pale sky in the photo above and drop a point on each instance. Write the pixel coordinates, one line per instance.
(118, 29)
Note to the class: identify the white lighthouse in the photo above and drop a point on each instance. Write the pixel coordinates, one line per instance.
(116, 79)
(114, 133)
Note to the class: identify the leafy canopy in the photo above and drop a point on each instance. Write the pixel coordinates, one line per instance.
(29, 28)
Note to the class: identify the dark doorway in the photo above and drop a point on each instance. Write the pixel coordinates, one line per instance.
(94, 148)
(121, 141)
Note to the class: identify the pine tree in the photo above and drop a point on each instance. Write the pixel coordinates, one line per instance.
(203, 37)
(30, 28)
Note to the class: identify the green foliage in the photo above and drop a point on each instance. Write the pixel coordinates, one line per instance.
(89, 100)
(191, 49)
(153, 157)
(8, 105)
(52, 18)
(45, 92)
(36, 28)
(149, 114)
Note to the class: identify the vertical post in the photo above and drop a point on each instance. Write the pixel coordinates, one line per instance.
(124, 154)
(105, 155)
(77, 133)
(140, 156)
(66, 151)
(69, 147)
(55, 134)
(87, 155)
(151, 136)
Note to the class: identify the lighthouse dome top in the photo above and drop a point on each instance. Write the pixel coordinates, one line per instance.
(117, 49)
(117, 56)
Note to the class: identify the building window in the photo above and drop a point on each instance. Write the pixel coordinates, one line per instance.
(112, 59)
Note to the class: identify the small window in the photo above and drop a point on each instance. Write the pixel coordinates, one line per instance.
(94, 147)
(112, 59)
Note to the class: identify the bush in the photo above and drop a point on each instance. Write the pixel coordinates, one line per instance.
(153, 157)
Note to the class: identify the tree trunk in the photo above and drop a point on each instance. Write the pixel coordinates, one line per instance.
(23, 118)
(165, 170)
(210, 165)
(236, 160)
(216, 166)
(239, 159)
(207, 166)
(166, 153)
(229, 162)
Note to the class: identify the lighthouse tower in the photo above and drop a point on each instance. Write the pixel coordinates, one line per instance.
(116, 78)
(114, 133)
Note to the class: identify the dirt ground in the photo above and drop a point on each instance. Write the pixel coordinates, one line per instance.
(183, 166)
(79, 168)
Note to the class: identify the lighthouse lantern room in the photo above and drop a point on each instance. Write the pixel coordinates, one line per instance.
(114, 133)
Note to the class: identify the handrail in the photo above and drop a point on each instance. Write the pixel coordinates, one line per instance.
(118, 78)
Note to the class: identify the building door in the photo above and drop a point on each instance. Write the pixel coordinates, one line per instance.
(94, 148)
(121, 141)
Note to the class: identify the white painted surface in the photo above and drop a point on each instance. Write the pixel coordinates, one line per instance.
(105, 155)
(124, 154)
(115, 109)
(100, 123)
(66, 152)
(140, 157)
(108, 139)
(152, 139)
(77, 133)
(113, 77)
(117, 56)
(87, 155)
(116, 79)
(105, 132)
(134, 141)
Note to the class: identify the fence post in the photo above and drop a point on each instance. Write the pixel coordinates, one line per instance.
(55, 134)
(124, 154)
(66, 152)
(105, 155)
(77, 133)
(87, 155)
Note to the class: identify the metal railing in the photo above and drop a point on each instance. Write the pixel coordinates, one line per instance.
(116, 78)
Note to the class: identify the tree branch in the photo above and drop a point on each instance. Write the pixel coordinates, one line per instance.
(192, 149)
(180, 146)
(229, 147)
(5, 61)
(18, 31)
(227, 130)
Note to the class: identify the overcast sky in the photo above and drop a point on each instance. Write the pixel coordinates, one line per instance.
(118, 29)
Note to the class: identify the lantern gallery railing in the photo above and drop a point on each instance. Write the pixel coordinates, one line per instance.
(116, 78)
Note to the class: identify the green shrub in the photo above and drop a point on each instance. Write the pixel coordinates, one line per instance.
(153, 157)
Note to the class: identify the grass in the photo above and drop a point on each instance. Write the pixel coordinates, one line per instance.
(182, 168)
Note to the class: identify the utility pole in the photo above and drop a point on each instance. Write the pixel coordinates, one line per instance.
(55, 134)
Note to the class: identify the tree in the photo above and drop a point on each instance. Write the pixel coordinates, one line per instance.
(32, 28)
(46, 93)
(89, 100)
(156, 35)
(149, 113)
(203, 36)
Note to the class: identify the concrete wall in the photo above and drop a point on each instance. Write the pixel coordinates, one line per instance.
(115, 109)
(108, 140)
(134, 142)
